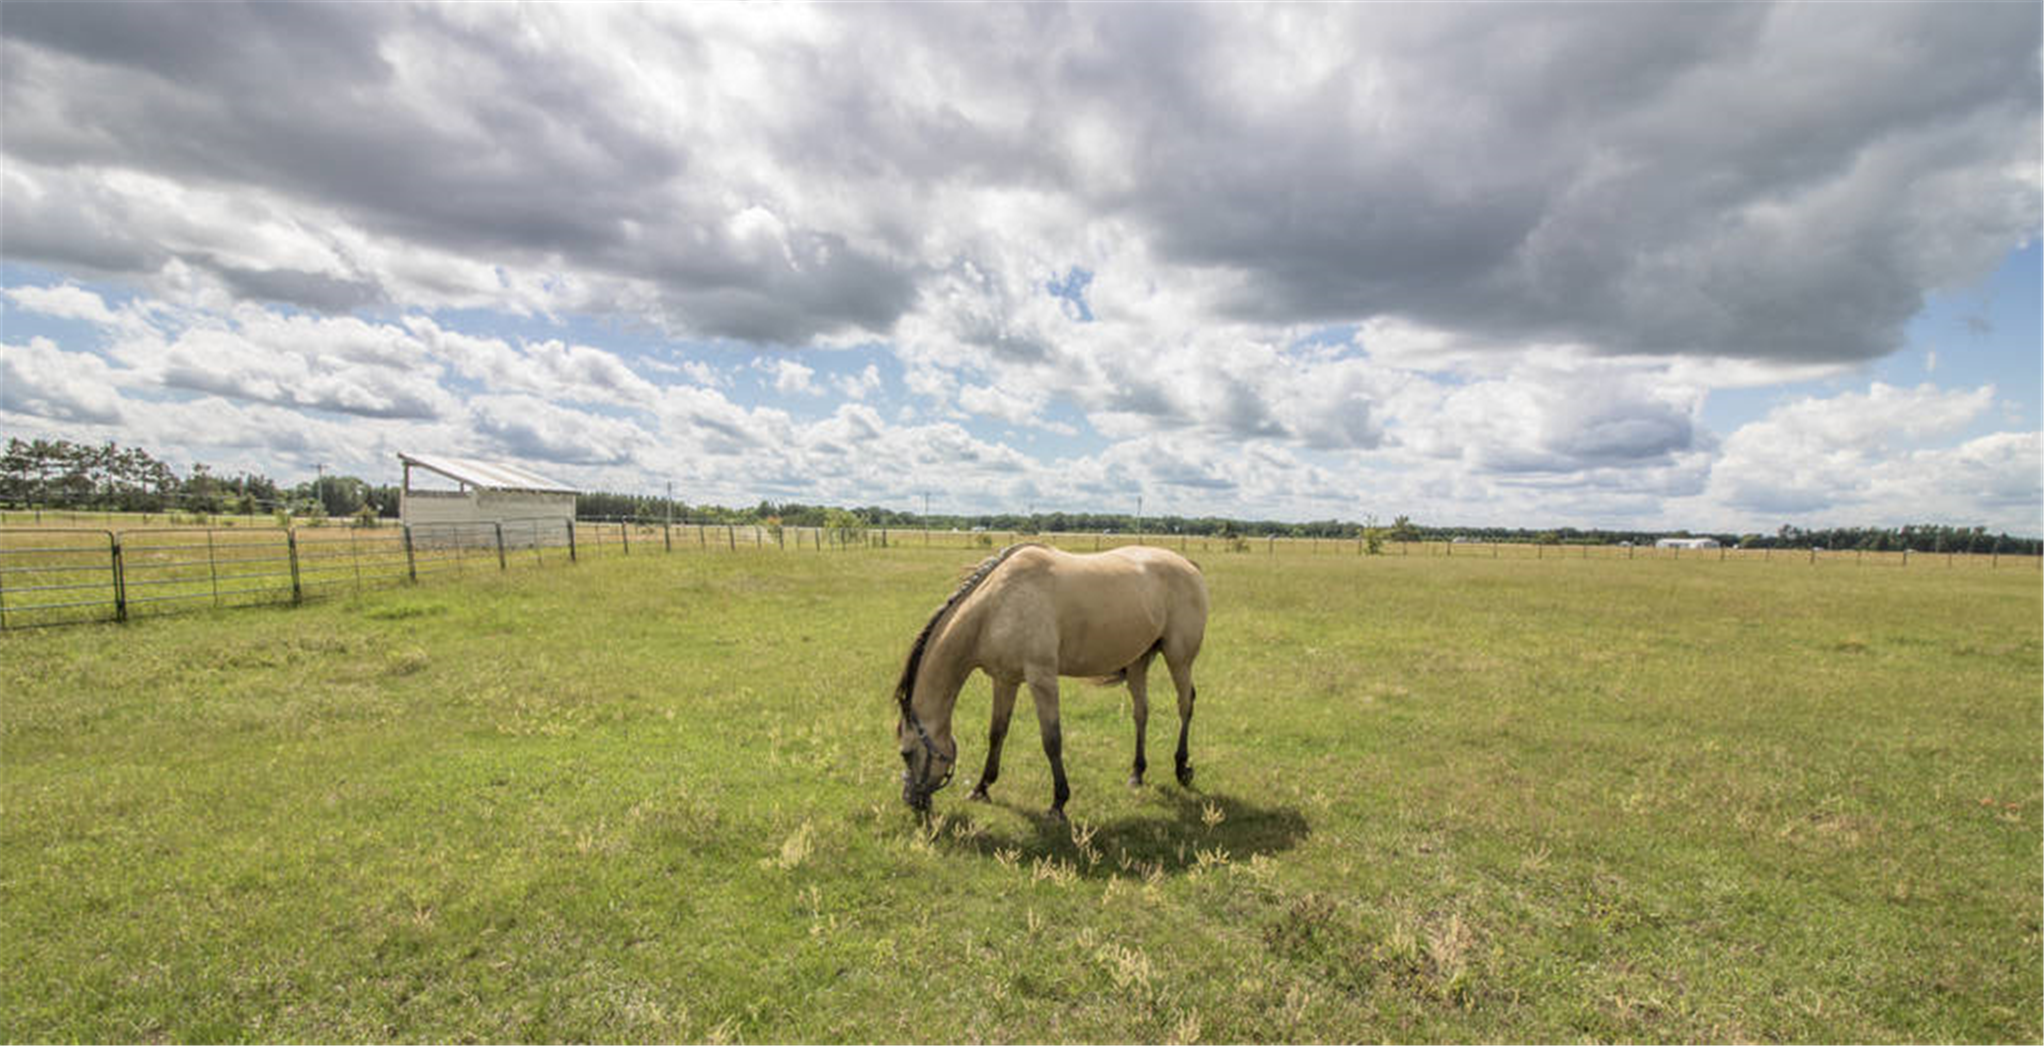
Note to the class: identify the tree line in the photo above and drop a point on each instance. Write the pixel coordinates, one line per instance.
(62, 474)
(109, 477)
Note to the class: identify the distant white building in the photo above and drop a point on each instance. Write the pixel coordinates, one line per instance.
(489, 492)
(1686, 543)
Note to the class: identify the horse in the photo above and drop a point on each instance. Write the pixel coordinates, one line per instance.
(1030, 614)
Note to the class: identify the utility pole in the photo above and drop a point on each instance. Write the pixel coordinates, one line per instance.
(1139, 519)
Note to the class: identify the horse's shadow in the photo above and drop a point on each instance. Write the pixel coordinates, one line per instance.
(1177, 831)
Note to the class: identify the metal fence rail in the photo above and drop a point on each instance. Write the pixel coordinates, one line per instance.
(163, 570)
(59, 577)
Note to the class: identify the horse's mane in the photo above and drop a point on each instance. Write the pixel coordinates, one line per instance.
(904, 690)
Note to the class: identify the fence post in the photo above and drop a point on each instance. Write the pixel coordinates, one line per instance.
(213, 568)
(624, 533)
(501, 565)
(571, 542)
(291, 547)
(120, 578)
(411, 564)
(667, 535)
(731, 536)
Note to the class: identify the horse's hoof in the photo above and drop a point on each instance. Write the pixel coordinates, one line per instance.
(1135, 780)
(979, 795)
(1055, 814)
(1185, 775)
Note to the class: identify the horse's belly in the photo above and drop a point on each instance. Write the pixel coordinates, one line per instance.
(1107, 644)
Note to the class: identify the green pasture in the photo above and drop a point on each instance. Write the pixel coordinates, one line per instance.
(655, 798)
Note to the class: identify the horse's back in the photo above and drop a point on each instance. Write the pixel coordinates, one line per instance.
(1112, 607)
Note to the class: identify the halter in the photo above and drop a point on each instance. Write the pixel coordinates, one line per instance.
(908, 712)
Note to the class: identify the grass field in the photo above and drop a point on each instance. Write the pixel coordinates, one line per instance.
(655, 799)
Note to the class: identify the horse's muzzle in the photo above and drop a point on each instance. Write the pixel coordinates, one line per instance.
(918, 799)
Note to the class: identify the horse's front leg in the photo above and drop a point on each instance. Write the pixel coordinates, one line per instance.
(997, 732)
(1043, 686)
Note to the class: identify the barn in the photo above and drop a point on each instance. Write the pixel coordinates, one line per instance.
(489, 492)
(1686, 543)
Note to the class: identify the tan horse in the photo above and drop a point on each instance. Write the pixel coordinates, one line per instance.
(1029, 615)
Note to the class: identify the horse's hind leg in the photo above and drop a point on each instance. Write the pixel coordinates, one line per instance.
(1139, 708)
(1181, 677)
(997, 732)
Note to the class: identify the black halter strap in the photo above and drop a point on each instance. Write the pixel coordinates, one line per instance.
(908, 712)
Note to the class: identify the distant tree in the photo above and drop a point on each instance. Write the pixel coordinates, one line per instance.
(202, 491)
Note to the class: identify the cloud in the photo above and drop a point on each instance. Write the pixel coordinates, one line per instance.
(791, 378)
(64, 302)
(858, 386)
(313, 290)
(1635, 181)
(43, 380)
(552, 368)
(528, 428)
(1852, 451)
(1467, 258)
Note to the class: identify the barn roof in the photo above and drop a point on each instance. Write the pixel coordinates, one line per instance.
(488, 475)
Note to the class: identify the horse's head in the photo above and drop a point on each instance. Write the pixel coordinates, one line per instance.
(927, 758)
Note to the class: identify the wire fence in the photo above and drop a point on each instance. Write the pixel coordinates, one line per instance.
(61, 575)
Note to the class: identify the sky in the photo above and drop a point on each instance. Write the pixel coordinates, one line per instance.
(1649, 266)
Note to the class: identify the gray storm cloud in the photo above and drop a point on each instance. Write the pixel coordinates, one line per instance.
(1778, 182)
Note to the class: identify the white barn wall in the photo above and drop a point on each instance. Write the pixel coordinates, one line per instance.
(511, 507)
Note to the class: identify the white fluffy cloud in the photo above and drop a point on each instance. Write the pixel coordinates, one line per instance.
(1854, 451)
(43, 380)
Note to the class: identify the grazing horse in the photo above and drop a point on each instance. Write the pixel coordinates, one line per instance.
(1033, 613)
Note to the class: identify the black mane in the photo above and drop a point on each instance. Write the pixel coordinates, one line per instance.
(904, 690)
